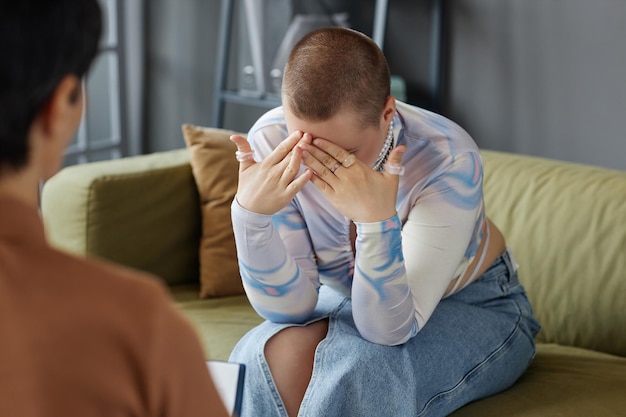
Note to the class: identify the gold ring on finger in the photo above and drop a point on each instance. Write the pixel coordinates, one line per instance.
(349, 161)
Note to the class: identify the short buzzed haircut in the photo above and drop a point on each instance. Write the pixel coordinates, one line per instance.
(336, 68)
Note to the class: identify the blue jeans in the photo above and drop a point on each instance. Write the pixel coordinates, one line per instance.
(477, 343)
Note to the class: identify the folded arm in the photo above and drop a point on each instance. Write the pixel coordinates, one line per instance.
(402, 271)
(282, 286)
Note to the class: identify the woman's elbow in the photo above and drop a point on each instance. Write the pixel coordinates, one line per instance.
(285, 317)
(296, 312)
(386, 337)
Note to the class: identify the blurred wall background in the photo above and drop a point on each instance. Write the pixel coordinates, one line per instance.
(535, 77)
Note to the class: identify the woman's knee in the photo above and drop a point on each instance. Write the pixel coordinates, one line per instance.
(290, 355)
(297, 340)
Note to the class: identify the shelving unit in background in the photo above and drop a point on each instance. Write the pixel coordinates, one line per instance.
(437, 55)
(101, 134)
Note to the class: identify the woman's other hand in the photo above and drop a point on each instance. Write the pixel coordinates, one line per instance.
(354, 188)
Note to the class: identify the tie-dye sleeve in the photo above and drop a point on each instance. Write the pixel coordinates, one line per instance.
(382, 306)
(281, 285)
(403, 271)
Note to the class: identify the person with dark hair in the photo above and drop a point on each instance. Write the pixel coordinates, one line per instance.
(78, 337)
(363, 241)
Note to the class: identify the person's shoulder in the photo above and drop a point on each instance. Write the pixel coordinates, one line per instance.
(434, 132)
(103, 280)
(268, 131)
(271, 119)
(106, 302)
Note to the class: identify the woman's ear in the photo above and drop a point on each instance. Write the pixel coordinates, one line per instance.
(75, 93)
(389, 110)
(56, 124)
(64, 108)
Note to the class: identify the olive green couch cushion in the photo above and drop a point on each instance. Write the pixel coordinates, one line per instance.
(142, 212)
(566, 224)
(220, 322)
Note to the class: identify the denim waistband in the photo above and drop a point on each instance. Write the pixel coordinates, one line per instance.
(507, 260)
(510, 260)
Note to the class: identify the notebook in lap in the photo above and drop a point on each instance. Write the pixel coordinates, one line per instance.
(228, 379)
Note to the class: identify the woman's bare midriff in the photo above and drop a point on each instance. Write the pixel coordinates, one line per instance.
(497, 246)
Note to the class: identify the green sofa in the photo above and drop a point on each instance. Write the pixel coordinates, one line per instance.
(566, 224)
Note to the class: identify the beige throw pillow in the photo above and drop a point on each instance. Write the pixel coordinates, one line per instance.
(215, 171)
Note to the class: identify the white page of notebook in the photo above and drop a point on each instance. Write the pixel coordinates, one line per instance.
(226, 378)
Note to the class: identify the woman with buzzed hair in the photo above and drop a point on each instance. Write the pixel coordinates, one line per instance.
(362, 240)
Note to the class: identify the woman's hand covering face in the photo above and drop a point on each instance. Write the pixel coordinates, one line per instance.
(354, 188)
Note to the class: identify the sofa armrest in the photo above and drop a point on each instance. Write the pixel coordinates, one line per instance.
(142, 212)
